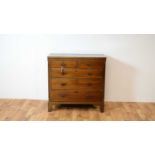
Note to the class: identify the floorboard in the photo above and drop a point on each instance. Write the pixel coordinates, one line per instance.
(36, 110)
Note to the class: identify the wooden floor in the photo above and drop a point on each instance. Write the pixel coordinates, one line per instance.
(36, 110)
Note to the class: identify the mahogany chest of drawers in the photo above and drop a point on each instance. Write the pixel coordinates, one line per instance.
(76, 79)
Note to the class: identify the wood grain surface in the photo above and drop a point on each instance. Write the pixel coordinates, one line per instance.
(36, 110)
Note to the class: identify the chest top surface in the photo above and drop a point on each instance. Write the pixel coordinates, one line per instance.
(72, 55)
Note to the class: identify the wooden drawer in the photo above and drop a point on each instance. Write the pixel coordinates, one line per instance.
(75, 96)
(91, 63)
(74, 73)
(79, 63)
(63, 83)
(58, 63)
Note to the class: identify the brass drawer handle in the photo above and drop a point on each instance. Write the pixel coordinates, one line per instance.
(62, 69)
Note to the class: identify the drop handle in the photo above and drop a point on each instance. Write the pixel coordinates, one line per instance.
(62, 69)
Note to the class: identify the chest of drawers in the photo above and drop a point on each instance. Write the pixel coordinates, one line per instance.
(76, 79)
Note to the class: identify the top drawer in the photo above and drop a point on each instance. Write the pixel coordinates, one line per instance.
(76, 63)
(57, 63)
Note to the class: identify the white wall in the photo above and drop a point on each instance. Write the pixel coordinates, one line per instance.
(130, 65)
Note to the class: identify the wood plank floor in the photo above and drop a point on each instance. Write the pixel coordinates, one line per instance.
(36, 110)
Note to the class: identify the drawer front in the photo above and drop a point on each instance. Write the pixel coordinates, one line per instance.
(73, 63)
(89, 63)
(76, 73)
(75, 96)
(58, 63)
(63, 83)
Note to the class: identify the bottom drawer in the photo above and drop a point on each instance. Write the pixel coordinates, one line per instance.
(75, 96)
